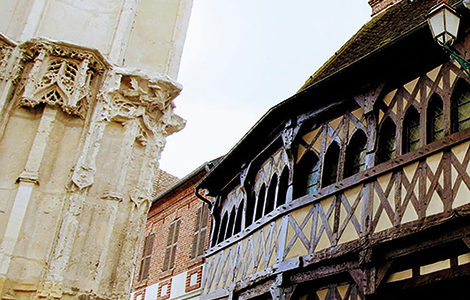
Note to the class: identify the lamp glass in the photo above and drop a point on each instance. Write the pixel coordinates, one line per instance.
(436, 22)
(444, 23)
(451, 22)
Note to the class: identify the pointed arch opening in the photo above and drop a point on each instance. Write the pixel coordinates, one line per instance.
(411, 130)
(283, 187)
(238, 220)
(434, 119)
(250, 209)
(271, 196)
(306, 175)
(260, 202)
(356, 154)
(330, 169)
(387, 144)
(460, 106)
(223, 228)
(231, 223)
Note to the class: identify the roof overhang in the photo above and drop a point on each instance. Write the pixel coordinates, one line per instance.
(397, 62)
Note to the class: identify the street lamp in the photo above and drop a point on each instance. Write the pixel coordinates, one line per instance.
(444, 23)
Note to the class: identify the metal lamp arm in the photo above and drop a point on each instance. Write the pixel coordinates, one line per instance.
(455, 56)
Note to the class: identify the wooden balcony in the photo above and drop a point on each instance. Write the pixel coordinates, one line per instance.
(412, 193)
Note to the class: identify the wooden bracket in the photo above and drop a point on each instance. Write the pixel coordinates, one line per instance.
(367, 100)
(466, 240)
(369, 279)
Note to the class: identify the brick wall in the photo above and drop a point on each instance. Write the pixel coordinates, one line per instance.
(380, 5)
(182, 204)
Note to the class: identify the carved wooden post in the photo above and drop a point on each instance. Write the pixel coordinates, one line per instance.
(367, 102)
(280, 290)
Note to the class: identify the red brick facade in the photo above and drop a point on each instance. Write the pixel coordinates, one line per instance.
(179, 203)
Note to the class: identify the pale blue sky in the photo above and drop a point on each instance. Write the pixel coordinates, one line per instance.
(241, 57)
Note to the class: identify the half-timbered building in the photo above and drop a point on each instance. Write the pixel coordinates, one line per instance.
(358, 186)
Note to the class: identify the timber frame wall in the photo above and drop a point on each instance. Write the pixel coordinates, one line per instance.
(358, 237)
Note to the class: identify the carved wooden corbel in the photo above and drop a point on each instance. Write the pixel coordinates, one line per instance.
(287, 137)
(367, 100)
(280, 290)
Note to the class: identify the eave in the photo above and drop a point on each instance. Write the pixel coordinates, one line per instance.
(396, 62)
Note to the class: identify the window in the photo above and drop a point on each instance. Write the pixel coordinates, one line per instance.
(356, 154)
(250, 209)
(271, 197)
(460, 106)
(260, 202)
(387, 145)
(238, 220)
(231, 222)
(411, 132)
(435, 119)
(283, 186)
(330, 169)
(200, 230)
(146, 256)
(222, 228)
(170, 251)
(307, 173)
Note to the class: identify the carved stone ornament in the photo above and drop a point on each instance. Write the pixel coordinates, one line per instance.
(140, 200)
(129, 94)
(49, 291)
(8, 69)
(61, 75)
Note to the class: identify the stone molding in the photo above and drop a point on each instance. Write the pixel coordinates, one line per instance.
(131, 95)
(9, 69)
(84, 84)
(61, 75)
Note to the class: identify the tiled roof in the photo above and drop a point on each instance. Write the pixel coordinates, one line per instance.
(378, 32)
(163, 181)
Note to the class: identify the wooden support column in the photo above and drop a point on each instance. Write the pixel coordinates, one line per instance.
(281, 290)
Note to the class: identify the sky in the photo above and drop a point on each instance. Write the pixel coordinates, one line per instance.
(240, 58)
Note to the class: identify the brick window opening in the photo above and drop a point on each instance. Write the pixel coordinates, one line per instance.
(193, 279)
(200, 231)
(170, 251)
(164, 290)
(146, 257)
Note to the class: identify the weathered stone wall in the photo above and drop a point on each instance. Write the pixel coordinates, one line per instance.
(80, 140)
(145, 34)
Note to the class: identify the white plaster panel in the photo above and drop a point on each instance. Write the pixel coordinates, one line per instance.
(90, 23)
(178, 284)
(193, 279)
(151, 292)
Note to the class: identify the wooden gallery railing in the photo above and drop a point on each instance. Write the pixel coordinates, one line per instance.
(405, 195)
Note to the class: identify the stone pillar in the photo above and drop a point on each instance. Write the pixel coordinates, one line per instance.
(94, 135)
